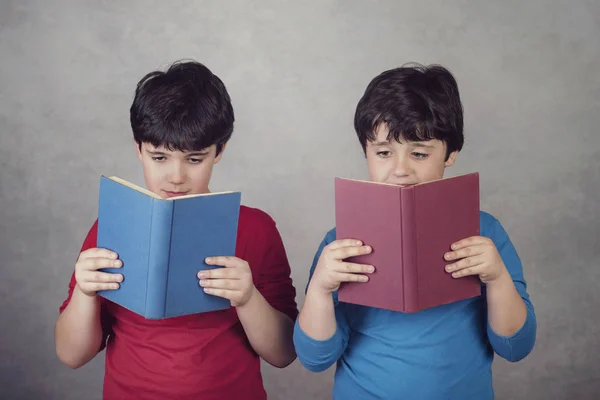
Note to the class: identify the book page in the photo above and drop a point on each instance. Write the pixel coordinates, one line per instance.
(418, 184)
(154, 195)
(134, 187)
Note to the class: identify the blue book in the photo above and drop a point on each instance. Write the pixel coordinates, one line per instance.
(162, 244)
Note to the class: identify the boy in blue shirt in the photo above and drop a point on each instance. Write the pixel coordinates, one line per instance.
(410, 125)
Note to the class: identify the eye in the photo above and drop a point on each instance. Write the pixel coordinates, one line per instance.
(383, 153)
(195, 160)
(420, 156)
(159, 158)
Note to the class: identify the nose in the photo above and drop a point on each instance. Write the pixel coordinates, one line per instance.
(178, 174)
(402, 166)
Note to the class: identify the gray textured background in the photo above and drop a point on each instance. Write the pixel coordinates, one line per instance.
(529, 74)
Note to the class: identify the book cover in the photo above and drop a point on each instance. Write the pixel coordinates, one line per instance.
(409, 229)
(162, 244)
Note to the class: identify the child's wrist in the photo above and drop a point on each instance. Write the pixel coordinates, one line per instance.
(503, 280)
(84, 294)
(315, 290)
(83, 300)
(251, 297)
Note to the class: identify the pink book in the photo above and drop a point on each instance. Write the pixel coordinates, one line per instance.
(410, 229)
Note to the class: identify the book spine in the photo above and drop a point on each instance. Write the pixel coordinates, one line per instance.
(158, 258)
(409, 250)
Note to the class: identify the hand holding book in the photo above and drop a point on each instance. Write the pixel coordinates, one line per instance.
(476, 255)
(88, 275)
(332, 270)
(234, 282)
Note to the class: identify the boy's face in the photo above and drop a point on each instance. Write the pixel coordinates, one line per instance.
(175, 173)
(406, 163)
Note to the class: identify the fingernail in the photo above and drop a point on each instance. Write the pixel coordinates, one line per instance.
(448, 268)
(358, 242)
(115, 286)
(117, 263)
(202, 274)
(371, 269)
(453, 246)
(448, 256)
(119, 278)
(202, 282)
(367, 248)
(208, 259)
(207, 290)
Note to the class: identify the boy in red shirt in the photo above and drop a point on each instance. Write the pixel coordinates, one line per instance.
(182, 120)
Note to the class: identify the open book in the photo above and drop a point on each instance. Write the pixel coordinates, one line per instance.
(162, 244)
(410, 229)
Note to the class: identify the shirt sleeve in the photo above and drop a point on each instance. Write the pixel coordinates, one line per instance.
(519, 345)
(274, 281)
(318, 355)
(105, 317)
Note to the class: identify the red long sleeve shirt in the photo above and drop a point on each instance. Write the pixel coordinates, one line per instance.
(204, 356)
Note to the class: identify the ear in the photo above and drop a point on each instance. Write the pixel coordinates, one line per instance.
(451, 158)
(137, 151)
(218, 158)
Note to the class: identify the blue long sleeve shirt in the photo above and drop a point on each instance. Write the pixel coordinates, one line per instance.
(444, 352)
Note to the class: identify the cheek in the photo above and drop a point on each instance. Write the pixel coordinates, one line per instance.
(378, 169)
(152, 174)
(431, 171)
(200, 175)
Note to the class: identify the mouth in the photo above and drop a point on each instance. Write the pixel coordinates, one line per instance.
(174, 194)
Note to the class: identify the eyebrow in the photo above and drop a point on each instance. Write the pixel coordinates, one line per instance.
(414, 144)
(378, 144)
(192, 154)
(419, 144)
